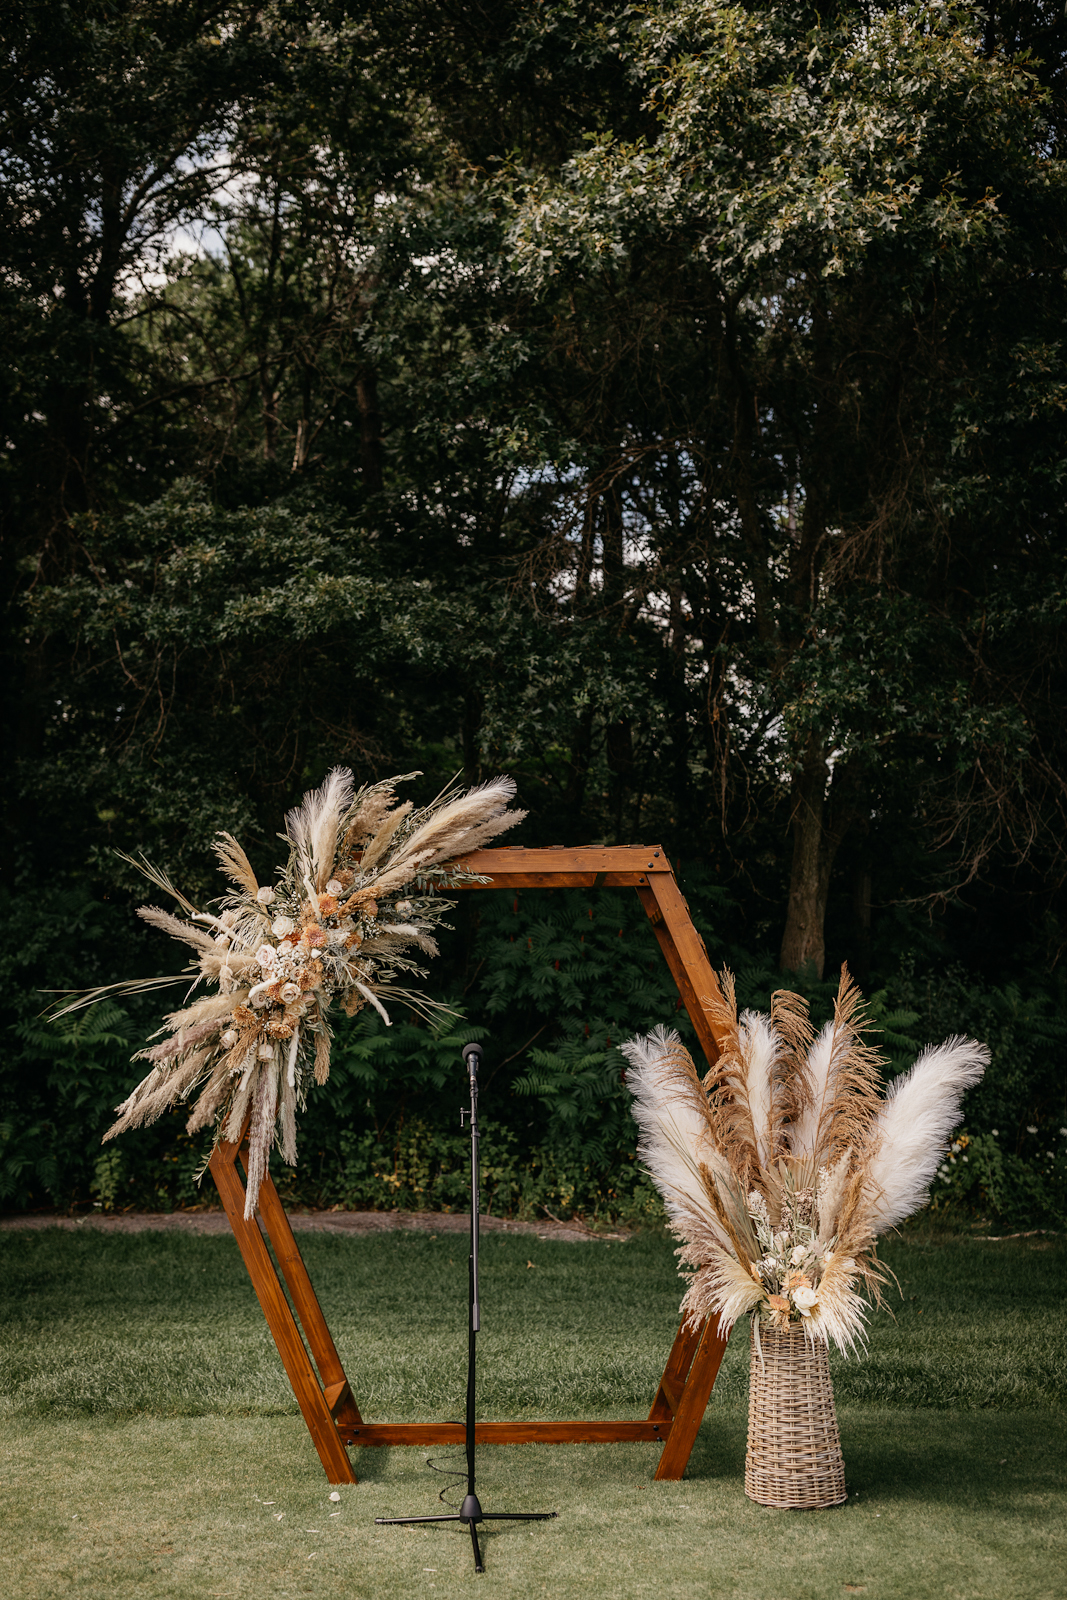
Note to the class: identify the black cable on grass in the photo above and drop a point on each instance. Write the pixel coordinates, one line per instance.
(449, 1472)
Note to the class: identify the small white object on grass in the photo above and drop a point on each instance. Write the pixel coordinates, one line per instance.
(335, 1495)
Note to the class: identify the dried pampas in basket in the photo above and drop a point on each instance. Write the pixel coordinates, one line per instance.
(778, 1172)
(358, 894)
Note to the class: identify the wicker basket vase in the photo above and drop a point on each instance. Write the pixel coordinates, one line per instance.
(794, 1456)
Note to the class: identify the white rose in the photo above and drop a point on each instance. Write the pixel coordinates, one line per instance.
(281, 926)
(265, 1052)
(335, 887)
(229, 1038)
(265, 896)
(797, 1254)
(804, 1300)
(290, 992)
(266, 955)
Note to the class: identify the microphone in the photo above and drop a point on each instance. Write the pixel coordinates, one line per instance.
(473, 1049)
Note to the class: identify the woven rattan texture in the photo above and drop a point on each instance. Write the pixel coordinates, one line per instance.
(794, 1456)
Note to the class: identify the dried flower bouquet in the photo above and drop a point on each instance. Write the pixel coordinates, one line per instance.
(780, 1170)
(355, 897)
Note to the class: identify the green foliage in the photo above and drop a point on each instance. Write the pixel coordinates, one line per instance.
(423, 1168)
(663, 404)
(77, 1062)
(556, 981)
(982, 1174)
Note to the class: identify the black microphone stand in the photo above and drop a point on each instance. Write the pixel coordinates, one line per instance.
(470, 1512)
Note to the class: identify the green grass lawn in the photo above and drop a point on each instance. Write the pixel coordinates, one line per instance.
(151, 1446)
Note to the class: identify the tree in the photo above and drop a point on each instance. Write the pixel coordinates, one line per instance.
(830, 218)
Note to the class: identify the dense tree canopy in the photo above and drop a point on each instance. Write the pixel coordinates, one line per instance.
(663, 404)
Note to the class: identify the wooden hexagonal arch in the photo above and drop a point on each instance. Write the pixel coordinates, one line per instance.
(296, 1322)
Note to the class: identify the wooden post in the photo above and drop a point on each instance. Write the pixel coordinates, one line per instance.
(324, 1396)
(311, 1398)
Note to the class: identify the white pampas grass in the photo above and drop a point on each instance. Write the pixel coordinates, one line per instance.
(453, 828)
(832, 1184)
(675, 1137)
(822, 1056)
(175, 927)
(761, 1049)
(314, 824)
(261, 1130)
(723, 1287)
(780, 1169)
(920, 1111)
(839, 1316)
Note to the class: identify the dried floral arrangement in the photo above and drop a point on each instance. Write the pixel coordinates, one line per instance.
(355, 898)
(782, 1167)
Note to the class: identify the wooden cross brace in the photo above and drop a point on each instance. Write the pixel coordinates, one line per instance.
(296, 1322)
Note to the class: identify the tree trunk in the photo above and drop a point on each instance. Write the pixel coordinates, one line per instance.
(268, 396)
(823, 808)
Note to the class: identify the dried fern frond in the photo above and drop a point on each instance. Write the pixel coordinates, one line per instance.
(720, 1007)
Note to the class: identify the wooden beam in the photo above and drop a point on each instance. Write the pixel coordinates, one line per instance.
(685, 954)
(588, 867)
(423, 1433)
(280, 1319)
(342, 1405)
(692, 1405)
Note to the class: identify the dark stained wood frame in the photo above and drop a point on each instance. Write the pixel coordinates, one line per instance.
(310, 1357)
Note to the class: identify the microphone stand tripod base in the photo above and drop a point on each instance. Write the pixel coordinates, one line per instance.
(470, 1512)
